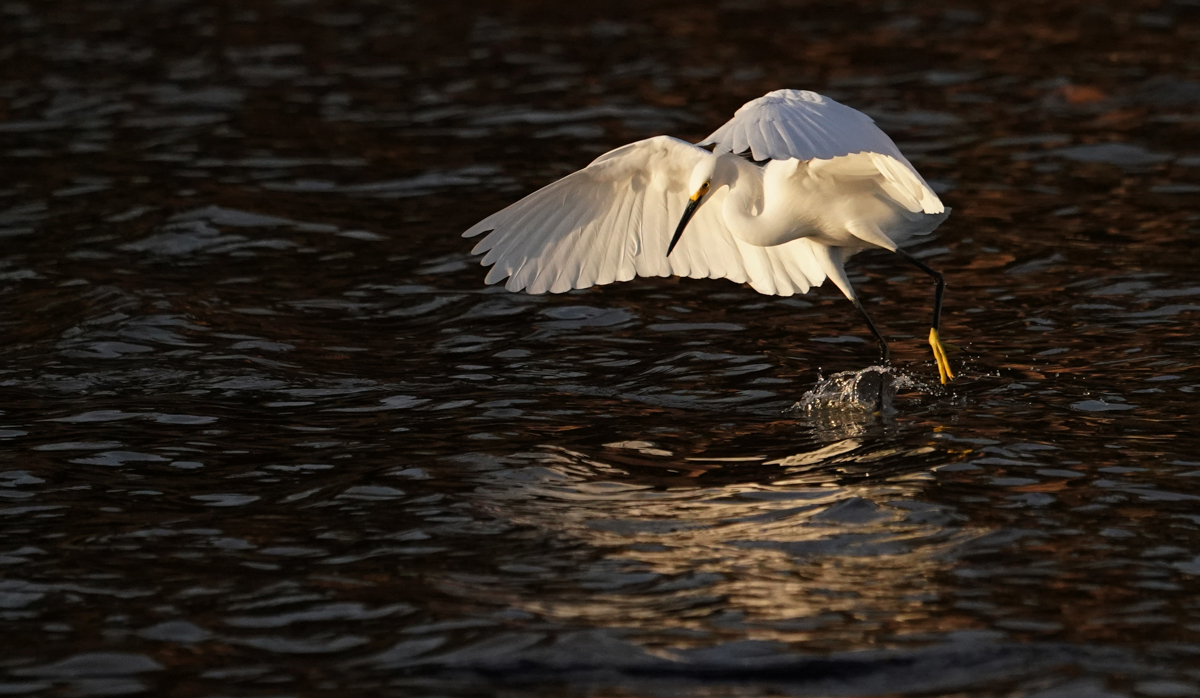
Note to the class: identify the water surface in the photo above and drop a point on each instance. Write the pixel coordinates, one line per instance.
(265, 431)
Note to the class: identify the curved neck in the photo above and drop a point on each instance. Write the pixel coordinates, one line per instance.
(754, 208)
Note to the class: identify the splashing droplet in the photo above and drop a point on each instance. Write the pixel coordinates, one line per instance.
(872, 389)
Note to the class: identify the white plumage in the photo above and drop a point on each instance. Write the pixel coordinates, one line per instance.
(832, 184)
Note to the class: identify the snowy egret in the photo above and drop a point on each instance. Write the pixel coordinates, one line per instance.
(794, 185)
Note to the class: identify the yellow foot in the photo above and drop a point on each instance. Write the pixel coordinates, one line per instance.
(939, 355)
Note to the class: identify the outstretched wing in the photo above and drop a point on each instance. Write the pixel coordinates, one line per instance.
(799, 124)
(613, 220)
(803, 125)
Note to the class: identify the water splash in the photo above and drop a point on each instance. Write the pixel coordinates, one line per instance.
(872, 389)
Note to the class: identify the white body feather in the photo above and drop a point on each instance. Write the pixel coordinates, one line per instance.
(834, 184)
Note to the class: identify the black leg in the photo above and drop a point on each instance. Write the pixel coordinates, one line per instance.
(935, 342)
(937, 277)
(884, 351)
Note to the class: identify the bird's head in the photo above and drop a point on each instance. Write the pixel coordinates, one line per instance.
(701, 178)
(699, 184)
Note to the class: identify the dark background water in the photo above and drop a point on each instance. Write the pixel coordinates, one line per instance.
(265, 431)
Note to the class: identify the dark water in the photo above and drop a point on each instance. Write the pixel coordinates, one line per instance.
(265, 432)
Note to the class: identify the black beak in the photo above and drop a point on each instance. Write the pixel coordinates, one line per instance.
(687, 216)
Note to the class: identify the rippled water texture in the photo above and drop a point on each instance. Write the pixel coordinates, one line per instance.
(265, 432)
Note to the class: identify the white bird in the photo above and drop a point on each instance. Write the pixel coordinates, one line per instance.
(794, 185)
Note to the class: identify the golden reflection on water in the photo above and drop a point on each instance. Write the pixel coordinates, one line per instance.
(803, 557)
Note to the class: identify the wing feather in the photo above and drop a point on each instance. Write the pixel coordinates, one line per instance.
(612, 254)
(799, 124)
(896, 178)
